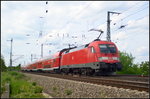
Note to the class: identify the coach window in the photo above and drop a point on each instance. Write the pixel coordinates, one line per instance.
(92, 50)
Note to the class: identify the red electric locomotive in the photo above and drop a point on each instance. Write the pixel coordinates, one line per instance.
(97, 57)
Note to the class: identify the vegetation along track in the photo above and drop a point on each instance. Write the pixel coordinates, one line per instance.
(128, 84)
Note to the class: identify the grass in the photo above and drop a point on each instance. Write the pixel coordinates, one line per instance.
(2, 89)
(68, 92)
(20, 87)
(54, 88)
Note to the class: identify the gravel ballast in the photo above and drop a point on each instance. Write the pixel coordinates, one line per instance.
(73, 89)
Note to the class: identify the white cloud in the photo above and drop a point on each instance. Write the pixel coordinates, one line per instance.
(142, 50)
(119, 35)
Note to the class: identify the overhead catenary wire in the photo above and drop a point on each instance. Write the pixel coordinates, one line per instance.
(125, 11)
(135, 12)
(130, 23)
(131, 15)
(132, 6)
(104, 21)
(122, 12)
(81, 11)
(116, 41)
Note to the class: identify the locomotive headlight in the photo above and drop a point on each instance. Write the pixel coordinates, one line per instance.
(116, 58)
(103, 58)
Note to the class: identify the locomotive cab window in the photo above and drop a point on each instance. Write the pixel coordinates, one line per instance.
(92, 50)
(107, 48)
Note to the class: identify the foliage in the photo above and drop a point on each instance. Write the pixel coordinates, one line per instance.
(2, 89)
(34, 83)
(130, 68)
(3, 66)
(144, 66)
(68, 92)
(20, 87)
(38, 89)
(54, 88)
(127, 62)
(14, 68)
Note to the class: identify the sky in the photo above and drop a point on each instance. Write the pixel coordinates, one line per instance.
(69, 22)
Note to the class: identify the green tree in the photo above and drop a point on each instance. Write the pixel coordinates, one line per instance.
(144, 66)
(15, 68)
(127, 63)
(130, 68)
(18, 67)
(3, 66)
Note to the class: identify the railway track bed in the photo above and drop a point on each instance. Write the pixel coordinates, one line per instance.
(127, 84)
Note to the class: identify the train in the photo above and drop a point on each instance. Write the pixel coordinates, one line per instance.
(98, 57)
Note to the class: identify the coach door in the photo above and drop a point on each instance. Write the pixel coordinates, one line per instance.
(40, 65)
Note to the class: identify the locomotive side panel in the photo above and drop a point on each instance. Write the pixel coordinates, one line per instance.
(72, 58)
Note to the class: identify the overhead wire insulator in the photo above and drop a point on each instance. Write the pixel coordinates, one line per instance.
(122, 26)
(28, 35)
(114, 23)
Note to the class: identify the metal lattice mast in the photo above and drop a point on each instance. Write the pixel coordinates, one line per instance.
(108, 24)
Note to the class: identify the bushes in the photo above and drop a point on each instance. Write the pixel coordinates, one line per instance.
(2, 89)
(34, 83)
(14, 73)
(68, 92)
(130, 68)
(3, 66)
(144, 67)
(19, 87)
(38, 89)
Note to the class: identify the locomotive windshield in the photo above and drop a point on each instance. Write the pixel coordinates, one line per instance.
(107, 48)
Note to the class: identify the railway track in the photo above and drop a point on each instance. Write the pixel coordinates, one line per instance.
(127, 77)
(127, 84)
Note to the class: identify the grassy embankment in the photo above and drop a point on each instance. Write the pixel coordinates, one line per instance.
(20, 87)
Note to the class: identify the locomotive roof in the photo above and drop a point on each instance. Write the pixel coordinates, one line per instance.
(98, 41)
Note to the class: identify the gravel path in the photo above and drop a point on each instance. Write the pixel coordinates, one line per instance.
(72, 89)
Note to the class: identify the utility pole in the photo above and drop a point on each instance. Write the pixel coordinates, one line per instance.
(24, 63)
(11, 51)
(108, 24)
(69, 45)
(31, 57)
(41, 50)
